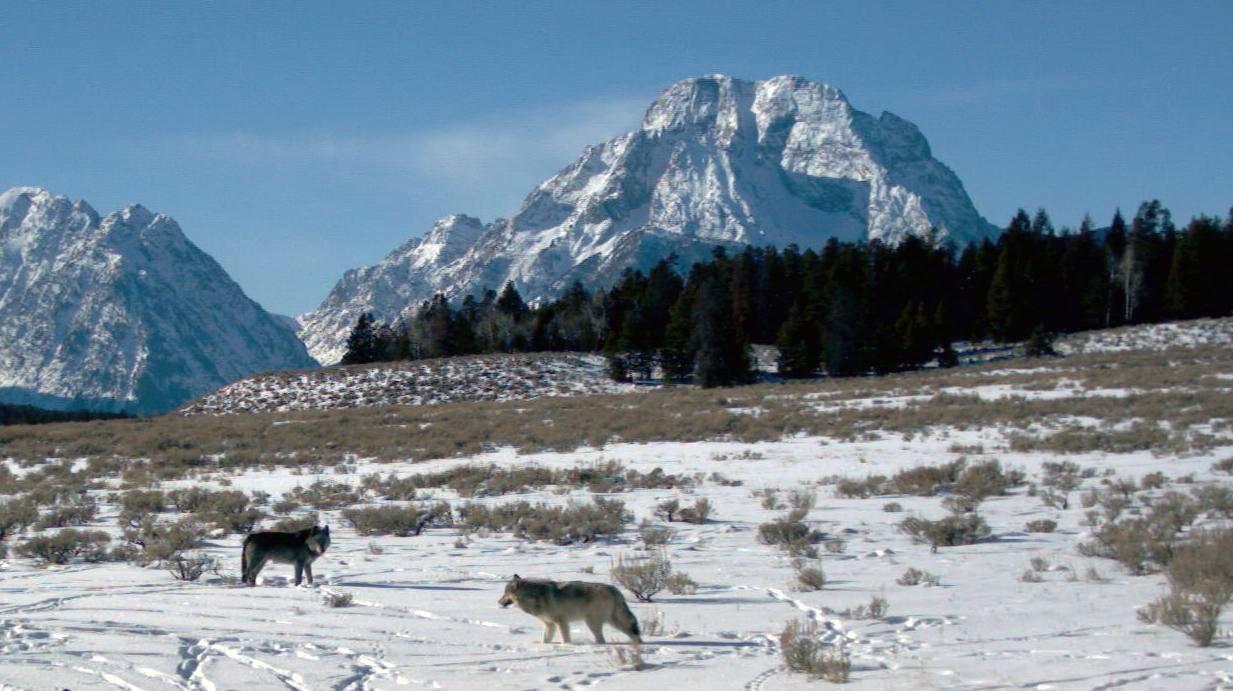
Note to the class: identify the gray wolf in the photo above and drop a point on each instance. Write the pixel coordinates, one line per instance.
(557, 604)
(300, 548)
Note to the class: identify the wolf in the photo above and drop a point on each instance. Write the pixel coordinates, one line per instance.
(300, 548)
(557, 604)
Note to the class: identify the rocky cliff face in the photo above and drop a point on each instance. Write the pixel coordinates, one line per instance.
(716, 161)
(121, 312)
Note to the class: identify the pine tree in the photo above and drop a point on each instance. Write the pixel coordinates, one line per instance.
(721, 357)
(846, 337)
(676, 357)
(362, 343)
(800, 352)
(1115, 247)
(510, 302)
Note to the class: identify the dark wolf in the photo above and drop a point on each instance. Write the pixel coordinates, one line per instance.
(557, 604)
(300, 548)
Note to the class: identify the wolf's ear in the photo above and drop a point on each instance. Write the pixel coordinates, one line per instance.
(516, 578)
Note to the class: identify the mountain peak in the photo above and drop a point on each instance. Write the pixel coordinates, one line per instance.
(717, 160)
(10, 196)
(120, 313)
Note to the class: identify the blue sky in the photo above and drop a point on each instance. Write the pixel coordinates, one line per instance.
(293, 141)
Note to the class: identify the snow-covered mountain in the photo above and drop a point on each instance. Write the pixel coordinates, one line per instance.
(717, 160)
(121, 312)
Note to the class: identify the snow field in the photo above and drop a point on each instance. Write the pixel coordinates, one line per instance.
(425, 611)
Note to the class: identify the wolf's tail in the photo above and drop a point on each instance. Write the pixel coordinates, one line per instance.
(625, 620)
(244, 560)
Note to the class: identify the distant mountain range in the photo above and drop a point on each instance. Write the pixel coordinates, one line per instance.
(120, 313)
(717, 161)
(124, 313)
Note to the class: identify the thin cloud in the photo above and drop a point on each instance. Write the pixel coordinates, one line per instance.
(475, 153)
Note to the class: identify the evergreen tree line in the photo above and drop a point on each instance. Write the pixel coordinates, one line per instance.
(848, 308)
(14, 414)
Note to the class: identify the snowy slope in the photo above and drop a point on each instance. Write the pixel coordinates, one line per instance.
(717, 160)
(422, 382)
(120, 312)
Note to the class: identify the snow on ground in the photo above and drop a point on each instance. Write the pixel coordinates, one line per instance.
(426, 613)
(422, 382)
(425, 610)
(1149, 337)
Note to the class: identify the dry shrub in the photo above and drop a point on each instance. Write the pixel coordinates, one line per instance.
(184, 568)
(892, 507)
(699, 512)
(1054, 499)
(987, 479)
(64, 546)
(1043, 525)
(915, 576)
(16, 515)
(654, 535)
(1140, 436)
(295, 523)
(803, 499)
(1152, 480)
(679, 583)
(644, 576)
(870, 486)
(338, 599)
(400, 521)
(927, 481)
(80, 513)
(562, 525)
(876, 609)
(1188, 613)
(138, 503)
(965, 529)
(1183, 393)
(1174, 510)
(790, 533)
(803, 653)
(228, 510)
(1200, 585)
(160, 542)
(492, 480)
(326, 495)
(670, 510)
(285, 506)
(1141, 544)
(809, 574)
(1214, 499)
(1224, 465)
(770, 499)
(1063, 476)
(1204, 564)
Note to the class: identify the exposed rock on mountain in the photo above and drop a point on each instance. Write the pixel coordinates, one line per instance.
(716, 161)
(121, 312)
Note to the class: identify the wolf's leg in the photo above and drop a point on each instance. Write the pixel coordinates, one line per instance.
(597, 628)
(254, 569)
(563, 625)
(299, 572)
(550, 630)
(308, 571)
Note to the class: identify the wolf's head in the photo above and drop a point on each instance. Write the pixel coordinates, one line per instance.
(318, 539)
(510, 597)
